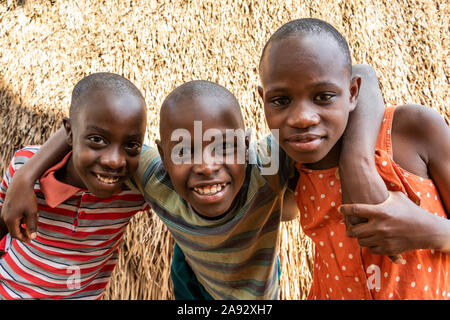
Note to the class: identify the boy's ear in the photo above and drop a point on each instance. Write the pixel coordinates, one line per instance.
(248, 137)
(261, 92)
(160, 149)
(355, 85)
(68, 127)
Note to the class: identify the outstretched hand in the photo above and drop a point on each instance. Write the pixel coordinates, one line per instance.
(394, 226)
(19, 208)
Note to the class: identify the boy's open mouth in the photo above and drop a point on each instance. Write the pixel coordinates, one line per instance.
(107, 179)
(210, 190)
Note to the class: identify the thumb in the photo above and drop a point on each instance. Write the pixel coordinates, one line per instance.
(352, 209)
(346, 209)
(360, 210)
(31, 223)
(15, 230)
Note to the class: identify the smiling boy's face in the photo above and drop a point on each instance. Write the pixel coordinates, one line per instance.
(210, 186)
(307, 93)
(106, 137)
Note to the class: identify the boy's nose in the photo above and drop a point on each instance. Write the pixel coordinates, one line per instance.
(303, 116)
(206, 168)
(113, 159)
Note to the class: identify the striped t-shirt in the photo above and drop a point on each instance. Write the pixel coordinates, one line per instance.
(233, 257)
(76, 247)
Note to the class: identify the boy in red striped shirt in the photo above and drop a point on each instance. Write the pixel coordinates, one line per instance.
(83, 204)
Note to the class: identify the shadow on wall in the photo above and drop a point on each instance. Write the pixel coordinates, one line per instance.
(21, 125)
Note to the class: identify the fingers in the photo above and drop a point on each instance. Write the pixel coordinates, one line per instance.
(361, 230)
(397, 258)
(373, 244)
(23, 233)
(367, 210)
(16, 231)
(373, 241)
(353, 220)
(31, 223)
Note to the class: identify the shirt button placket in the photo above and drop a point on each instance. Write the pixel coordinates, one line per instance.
(79, 214)
(75, 224)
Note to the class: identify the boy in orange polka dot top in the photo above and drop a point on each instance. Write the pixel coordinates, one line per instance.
(308, 91)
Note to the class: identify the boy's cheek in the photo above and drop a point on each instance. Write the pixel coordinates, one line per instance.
(177, 177)
(133, 165)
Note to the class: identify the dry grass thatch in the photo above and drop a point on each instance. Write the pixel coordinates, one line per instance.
(47, 46)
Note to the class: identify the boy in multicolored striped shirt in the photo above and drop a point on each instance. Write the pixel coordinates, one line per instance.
(83, 204)
(223, 215)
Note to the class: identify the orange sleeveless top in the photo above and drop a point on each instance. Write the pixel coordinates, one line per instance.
(343, 269)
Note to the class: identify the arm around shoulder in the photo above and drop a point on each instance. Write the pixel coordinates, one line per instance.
(361, 182)
(20, 200)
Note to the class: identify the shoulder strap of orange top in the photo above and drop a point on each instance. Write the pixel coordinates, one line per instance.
(384, 141)
(387, 168)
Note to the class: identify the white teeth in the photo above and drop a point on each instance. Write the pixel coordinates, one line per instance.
(109, 180)
(209, 190)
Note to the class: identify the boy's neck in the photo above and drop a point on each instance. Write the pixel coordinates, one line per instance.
(331, 160)
(68, 175)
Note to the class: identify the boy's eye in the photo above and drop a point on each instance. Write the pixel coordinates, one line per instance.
(324, 97)
(280, 101)
(225, 148)
(96, 140)
(133, 147)
(185, 152)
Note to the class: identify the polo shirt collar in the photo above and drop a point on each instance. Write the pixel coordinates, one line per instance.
(55, 191)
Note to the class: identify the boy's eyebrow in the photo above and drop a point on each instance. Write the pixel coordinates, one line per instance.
(106, 132)
(175, 141)
(95, 128)
(323, 83)
(315, 84)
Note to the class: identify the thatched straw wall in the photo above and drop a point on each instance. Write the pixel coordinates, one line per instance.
(47, 46)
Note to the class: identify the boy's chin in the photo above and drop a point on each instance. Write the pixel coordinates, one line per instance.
(305, 158)
(211, 212)
(101, 189)
(212, 206)
(102, 194)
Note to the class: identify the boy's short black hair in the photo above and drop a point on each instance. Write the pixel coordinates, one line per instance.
(201, 88)
(101, 81)
(311, 26)
(197, 88)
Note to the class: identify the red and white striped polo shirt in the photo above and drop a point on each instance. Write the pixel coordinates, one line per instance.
(76, 247)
